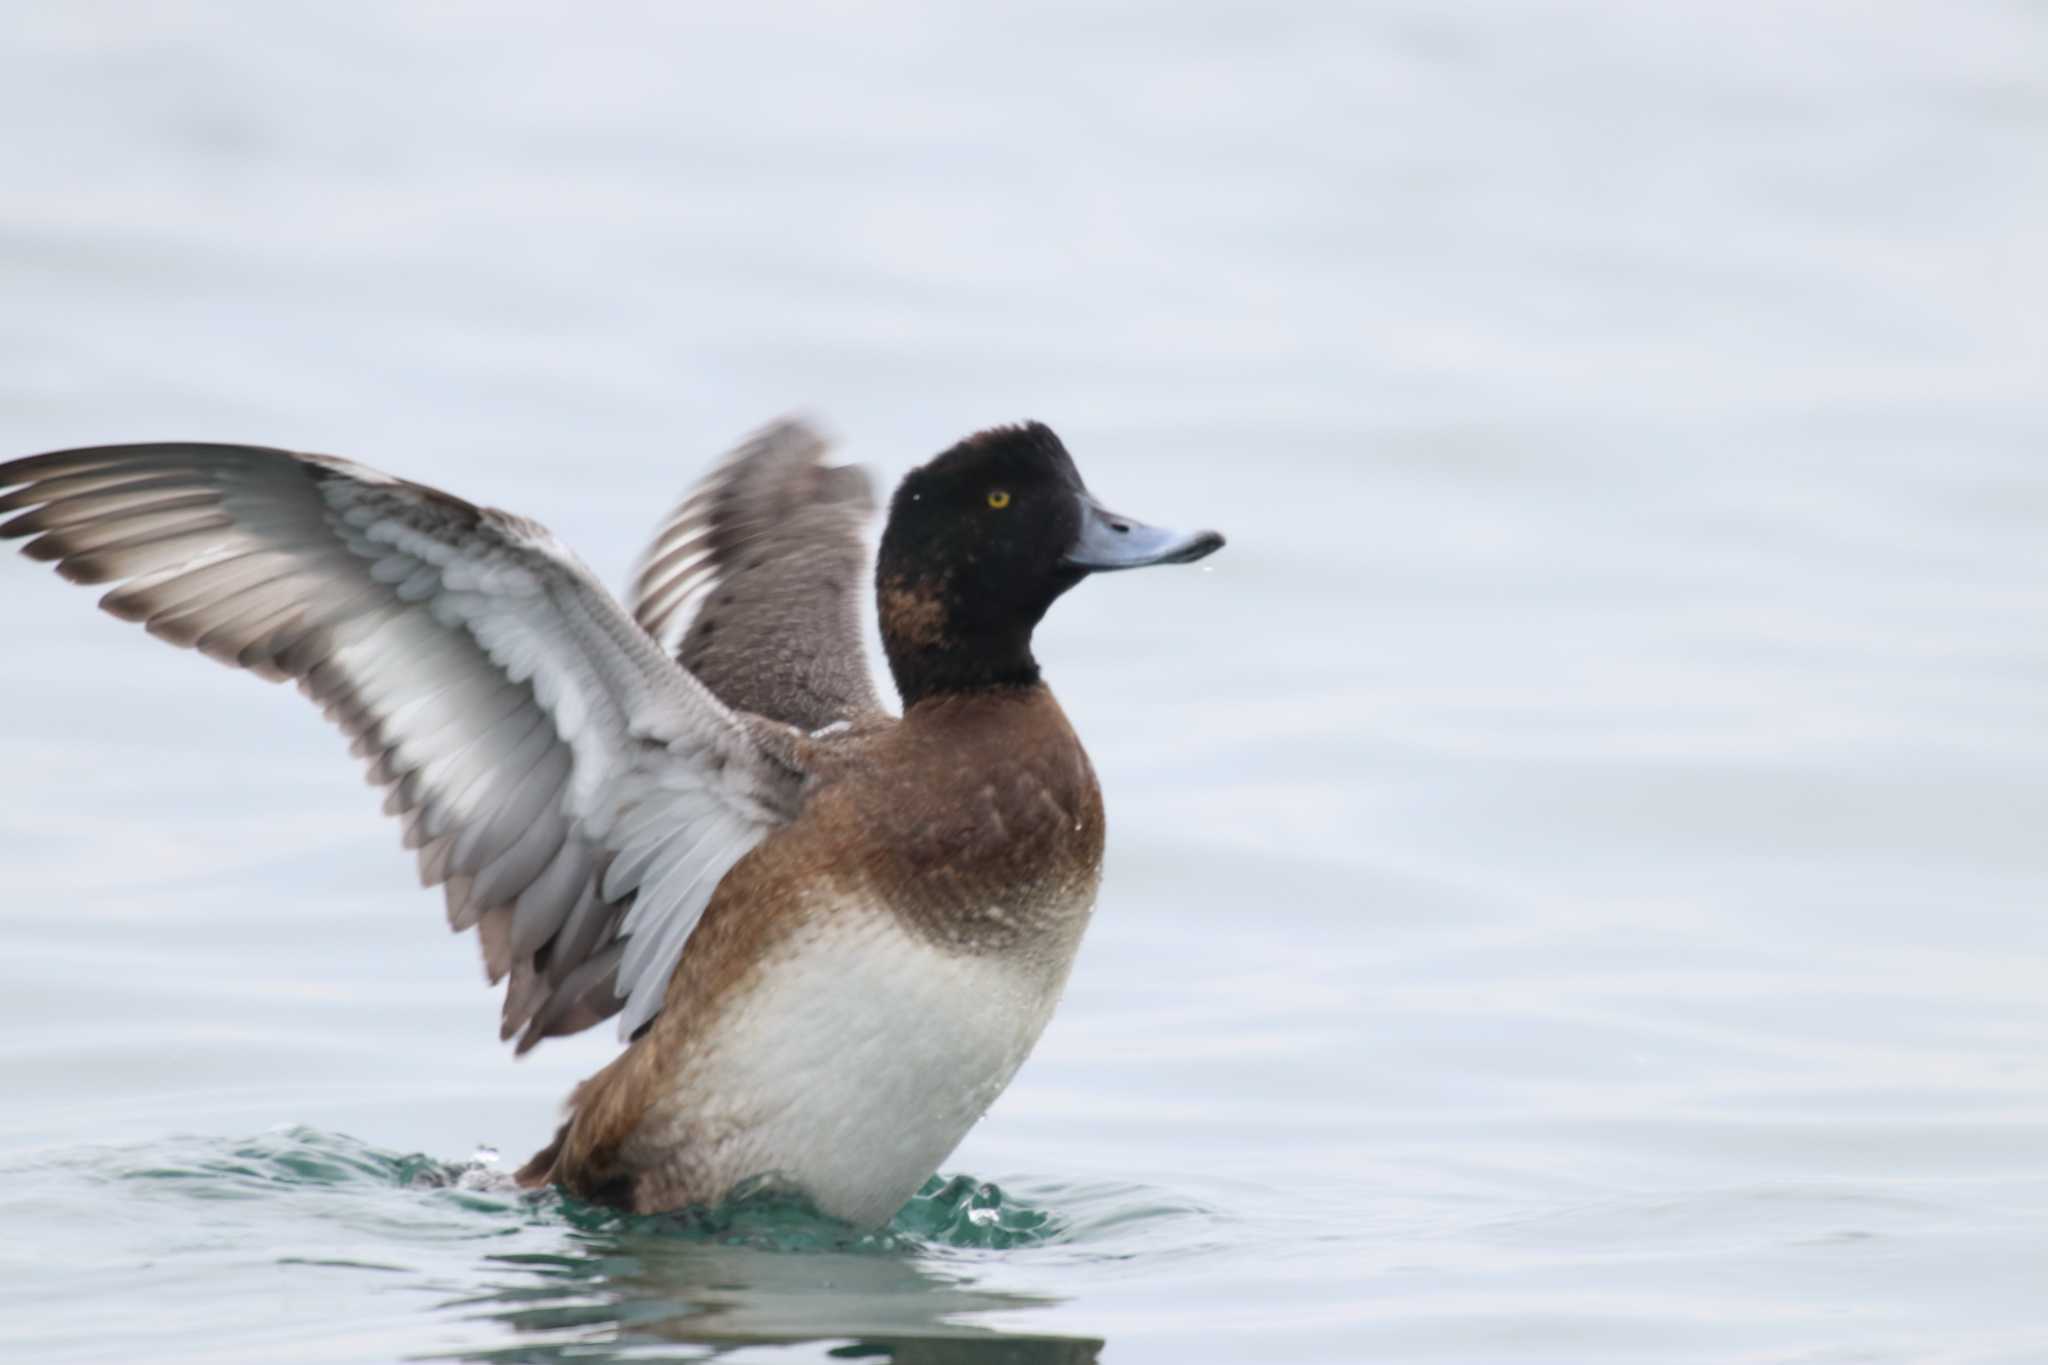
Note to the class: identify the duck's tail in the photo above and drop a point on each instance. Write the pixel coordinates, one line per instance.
(586, 1157)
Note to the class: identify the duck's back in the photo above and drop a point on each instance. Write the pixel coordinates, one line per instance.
(866, 982)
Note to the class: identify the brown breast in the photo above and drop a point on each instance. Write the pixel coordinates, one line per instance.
(977, 819)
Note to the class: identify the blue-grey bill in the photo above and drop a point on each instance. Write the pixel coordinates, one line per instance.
(1110, 541)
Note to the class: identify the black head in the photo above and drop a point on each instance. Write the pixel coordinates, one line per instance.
(980, 541)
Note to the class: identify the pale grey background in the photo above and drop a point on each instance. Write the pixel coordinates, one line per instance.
(1577, 858)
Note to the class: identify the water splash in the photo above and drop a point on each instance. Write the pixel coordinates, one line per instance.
(956, 1212)
(535, 1275)
(531, 1276)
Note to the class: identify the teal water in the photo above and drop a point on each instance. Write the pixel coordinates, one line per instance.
(427, 1258)
(1576, 860)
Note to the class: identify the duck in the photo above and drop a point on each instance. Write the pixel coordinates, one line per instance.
(830, 933)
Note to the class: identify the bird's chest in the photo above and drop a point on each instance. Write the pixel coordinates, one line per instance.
(853, 1062)
(999, 856)
(866, 983)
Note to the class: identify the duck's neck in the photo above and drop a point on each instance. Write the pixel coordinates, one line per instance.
(955, 666)
(938, 649)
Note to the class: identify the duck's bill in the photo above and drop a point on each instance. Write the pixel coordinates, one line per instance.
(1109, 541)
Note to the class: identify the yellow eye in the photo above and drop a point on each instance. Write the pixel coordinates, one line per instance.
(998, 498)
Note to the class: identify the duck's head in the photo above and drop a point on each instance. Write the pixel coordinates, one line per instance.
(980, 541)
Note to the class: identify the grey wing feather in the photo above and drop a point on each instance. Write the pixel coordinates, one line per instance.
(767, 551)
(577, 794)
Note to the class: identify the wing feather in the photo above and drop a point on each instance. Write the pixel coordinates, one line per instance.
(756, 580)
(577, 795)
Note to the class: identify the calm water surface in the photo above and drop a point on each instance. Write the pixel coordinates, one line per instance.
(1577, 860)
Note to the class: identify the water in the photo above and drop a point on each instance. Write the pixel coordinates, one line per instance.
(1576, 858)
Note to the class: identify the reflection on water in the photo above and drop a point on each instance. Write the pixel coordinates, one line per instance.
(630, 1290)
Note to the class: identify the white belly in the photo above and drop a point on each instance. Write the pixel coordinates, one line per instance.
(854, 1062)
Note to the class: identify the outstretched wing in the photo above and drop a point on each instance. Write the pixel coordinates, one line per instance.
(578, 794)
(767, 548)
